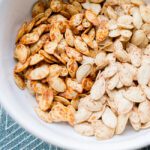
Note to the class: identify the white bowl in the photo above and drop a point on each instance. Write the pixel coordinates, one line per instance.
(20, 104)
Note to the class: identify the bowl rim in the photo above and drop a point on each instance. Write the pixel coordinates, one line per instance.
(139, 141)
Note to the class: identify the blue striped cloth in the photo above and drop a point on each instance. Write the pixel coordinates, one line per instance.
(13, 137)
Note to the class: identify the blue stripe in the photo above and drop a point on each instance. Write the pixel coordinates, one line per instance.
(14, 141)
(24, 143)
(32, 145)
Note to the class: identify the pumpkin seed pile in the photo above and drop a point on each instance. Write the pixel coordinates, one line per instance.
(87, 62)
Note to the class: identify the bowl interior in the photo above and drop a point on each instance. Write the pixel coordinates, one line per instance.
(20, 104)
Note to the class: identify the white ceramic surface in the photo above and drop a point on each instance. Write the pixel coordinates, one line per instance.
(20, 104)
